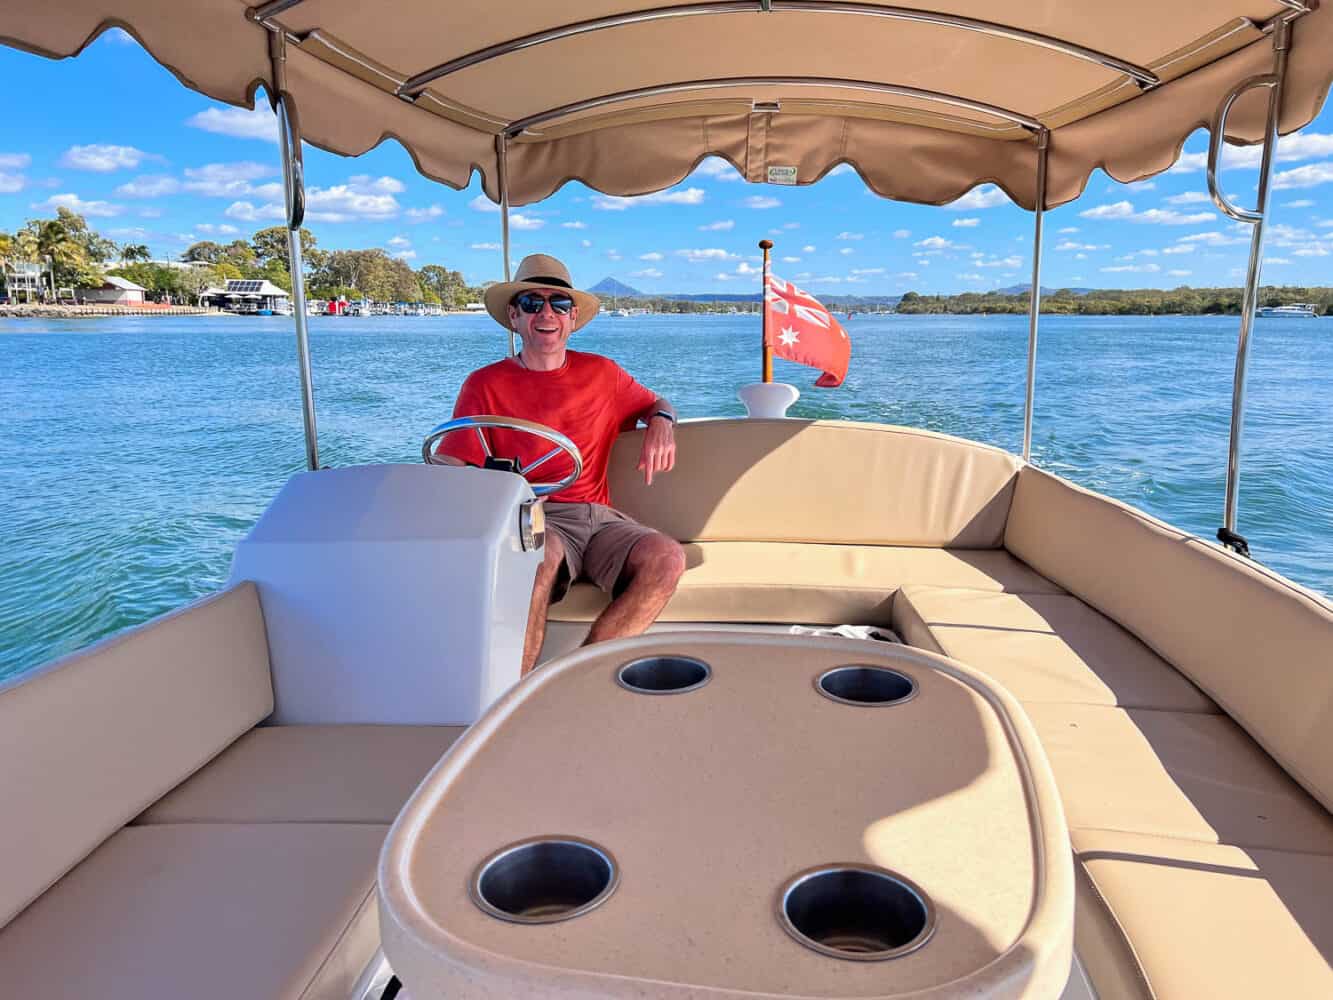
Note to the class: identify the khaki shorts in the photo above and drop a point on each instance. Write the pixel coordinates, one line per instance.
(597, 542)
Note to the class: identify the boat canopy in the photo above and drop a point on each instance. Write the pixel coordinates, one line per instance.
(925, 103)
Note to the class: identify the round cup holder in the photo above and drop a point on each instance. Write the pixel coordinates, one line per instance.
(664, 675)
(544, 880)
(862, 684)
(856, 912)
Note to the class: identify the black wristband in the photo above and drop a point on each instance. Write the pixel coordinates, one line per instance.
(664, 413)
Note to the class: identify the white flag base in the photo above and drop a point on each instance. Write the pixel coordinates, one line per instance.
(768, 399)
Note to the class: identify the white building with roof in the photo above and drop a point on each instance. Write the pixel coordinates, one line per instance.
(114, 290)
(247, 295)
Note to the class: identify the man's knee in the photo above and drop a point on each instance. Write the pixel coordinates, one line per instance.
(658, 560)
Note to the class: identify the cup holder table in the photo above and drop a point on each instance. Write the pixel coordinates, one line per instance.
(863, 684)
(544, 880)
(856, 912)
(664, 675)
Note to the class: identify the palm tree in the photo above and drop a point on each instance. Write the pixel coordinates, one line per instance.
(131, 252)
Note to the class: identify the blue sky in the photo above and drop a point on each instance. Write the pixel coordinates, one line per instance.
(114, 135)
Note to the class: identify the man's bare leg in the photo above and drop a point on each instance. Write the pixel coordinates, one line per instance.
(553, 556)
(654, 567)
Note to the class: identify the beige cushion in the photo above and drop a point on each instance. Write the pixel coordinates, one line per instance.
(205, 912)
(1175, 774)
(1215, 921)
(819, 481)
(1259, 645)
(110, 729)
(817, 584)
(311, 774)
(1044, 648)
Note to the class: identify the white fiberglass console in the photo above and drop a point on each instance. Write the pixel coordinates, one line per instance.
(392, 593)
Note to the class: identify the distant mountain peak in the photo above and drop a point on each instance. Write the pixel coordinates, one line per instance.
(610, 286)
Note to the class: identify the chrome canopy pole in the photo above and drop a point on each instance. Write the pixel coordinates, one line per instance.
(1258, 218)
(1034, 299)
(293, 182)
(502, 171)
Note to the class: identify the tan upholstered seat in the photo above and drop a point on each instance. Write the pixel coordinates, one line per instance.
(204, 911)
(1205, 920)
(1175, 774)
(1044, 648)
(814, 584)
(312, 774)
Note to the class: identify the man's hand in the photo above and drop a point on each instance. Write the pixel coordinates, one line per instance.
(659, 448)
(440, 458)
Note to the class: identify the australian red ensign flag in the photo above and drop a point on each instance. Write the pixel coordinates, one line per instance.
(801, 330)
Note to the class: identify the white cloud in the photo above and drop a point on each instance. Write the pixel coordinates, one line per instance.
(840, 169)
(149, 186)
(1116, 210)
(1315, 251)
(1001, 262)
(1298, 203)
(721, 226)
(1144, 185)
(762, 201)
(247, 212)
(1290, 149)
(1179, 273)
(485, 246)
(574, 225)
(808, 248)
(910, 275)
(707, 254)
(933, 243)
(746, 268)
(902, 234)
(150, 212)
(99, 209)
(968, 223)
(230, 180)
(517, 220)
(12, 183)
(1068, 229)
(654, 255)
(986, 196)
(1133, 268)
(613, 255)
(1179, 248)
(1213, 238)
(15, 161)
(850, 236)
(867, 270)
(1303, 177)
(398, 242)
(129, 233)
(791, 225)
(585, 244)
(118, 36)
(717, 169)
(846, 250)
(1066, 245)
(103, 159)
(361, 198)
(1080, 256)
(615, 203)
(1189, 198)
(406, 255)
(1276, 260)
(970, 277)
(483, 204)
(647, 272)
(791, 260)
(417, 215)
(240, 123)
(208, 229)
(1124, 210)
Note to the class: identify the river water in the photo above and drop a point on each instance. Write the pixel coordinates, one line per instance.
(134, 453)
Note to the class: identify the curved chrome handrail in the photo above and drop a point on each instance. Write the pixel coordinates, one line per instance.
(411, 88)
(1218, 135)
(686, 86)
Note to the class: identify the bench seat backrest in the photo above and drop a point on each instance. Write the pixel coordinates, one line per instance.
(94, 738)
(1259, 645)
(823, 481)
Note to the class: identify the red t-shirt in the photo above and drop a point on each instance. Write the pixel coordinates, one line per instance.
(590, 400)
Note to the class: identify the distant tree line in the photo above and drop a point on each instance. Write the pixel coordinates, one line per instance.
(1182, 301)
(81, 258)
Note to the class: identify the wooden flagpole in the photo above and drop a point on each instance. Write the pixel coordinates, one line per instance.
(766, 245)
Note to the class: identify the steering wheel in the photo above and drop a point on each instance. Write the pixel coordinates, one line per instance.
(484, 420)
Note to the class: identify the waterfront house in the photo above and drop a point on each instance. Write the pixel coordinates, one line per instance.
(247, 295)
(114, 290)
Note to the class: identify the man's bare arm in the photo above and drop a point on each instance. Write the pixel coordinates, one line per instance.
(659, 440)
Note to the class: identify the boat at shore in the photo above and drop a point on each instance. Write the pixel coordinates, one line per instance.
(1095, 765)
(1293, 311)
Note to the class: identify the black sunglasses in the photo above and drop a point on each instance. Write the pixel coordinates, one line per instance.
(532, 302)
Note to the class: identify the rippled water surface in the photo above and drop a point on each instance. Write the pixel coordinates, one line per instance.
(134, 453)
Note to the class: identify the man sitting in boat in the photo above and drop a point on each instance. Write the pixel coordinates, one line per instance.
(590, 399)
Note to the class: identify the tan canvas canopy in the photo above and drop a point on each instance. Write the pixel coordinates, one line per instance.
(925, 103)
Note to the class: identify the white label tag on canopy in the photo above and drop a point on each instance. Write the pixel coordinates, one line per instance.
(782, 175)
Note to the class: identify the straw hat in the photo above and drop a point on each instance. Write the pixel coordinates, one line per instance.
(538, 270)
